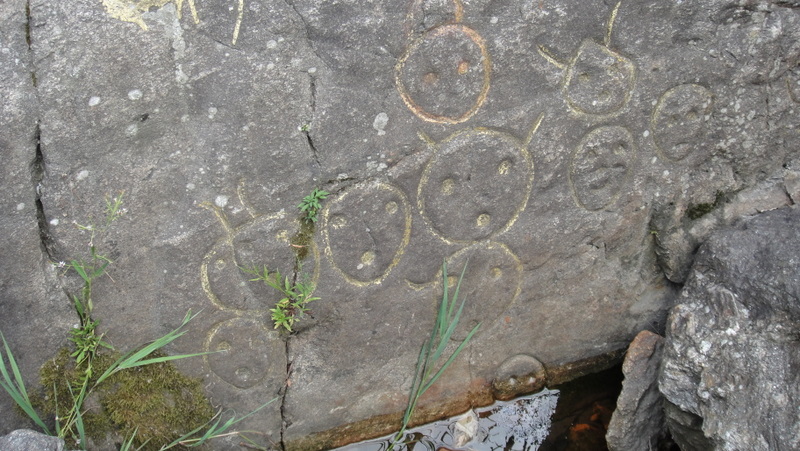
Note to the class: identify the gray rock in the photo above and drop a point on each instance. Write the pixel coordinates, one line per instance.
(27, 440)
(555, 146)
(35, 315)
(729, 370)
(638, 420)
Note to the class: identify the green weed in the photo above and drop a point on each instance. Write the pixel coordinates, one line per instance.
(135, 390)
(310, 204)
(296, 296)
(426, 372)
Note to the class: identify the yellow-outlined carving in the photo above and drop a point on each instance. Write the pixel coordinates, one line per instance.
(416, 5)
(226, 244)
(406, 211)
(627, 137)
(622, 65)
(520, 144)
(695, 93)
(454, 270)
(132, 10)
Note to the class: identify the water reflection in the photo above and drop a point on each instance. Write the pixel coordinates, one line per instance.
(519, 425)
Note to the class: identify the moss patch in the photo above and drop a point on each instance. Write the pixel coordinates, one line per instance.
(302, 240)
(157, 399)
(697, 211)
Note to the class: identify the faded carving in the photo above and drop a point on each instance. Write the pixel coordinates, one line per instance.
(600, 166)
(679, 122)
(132, 10)
(597, 80)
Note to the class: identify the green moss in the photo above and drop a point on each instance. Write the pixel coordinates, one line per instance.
(156, 399)
(302, 240)
(697, 211)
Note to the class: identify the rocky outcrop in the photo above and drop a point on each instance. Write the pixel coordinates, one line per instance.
(730, 371)
(638, 419)
(27, 440)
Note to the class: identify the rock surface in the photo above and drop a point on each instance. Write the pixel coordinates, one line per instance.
(731, 356)
(574, 152)
(638, 420)
(27, 440)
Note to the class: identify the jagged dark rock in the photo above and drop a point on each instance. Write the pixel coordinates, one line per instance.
(729, 373)
(638, 420)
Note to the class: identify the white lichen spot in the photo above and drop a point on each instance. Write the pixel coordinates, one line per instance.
(380, 123)
(20, 206)
(190, 186)
(94, 101)
(493, 20)
(646, 133)
(54, 222)
(82, 175)
(212, 111)
(312, 70)
(270, 66)
(134, 94)
(221, 201)
(180, 76)
(271, 44)
(132, 130)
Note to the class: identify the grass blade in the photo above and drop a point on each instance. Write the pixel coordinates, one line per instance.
(137, 358)
(214, 431)
(16, 387)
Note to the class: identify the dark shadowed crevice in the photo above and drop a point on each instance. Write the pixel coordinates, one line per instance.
(46, 241)
(284, 422)
(307, 128)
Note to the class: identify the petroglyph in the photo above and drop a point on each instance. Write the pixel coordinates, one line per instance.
(261, 241)
(366, 230)
(679, 121)
(476, 184)
(597, 80)
(444, 74)
(250, 352)
(132, 10)
(493, 281)
(601, 165)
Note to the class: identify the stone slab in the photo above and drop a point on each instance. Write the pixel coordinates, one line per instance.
(559, 147)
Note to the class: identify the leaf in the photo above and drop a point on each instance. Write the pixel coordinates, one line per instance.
(16, 387)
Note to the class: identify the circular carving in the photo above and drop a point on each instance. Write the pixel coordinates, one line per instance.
(366, 230)
(517, 375)
(444, 75)
(476, 185)
(679, 122)
(601, 165)
(599, 80)
(493, 281)
(262, 241)
(248, 352)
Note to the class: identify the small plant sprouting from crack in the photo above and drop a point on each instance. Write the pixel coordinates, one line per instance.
(296, 296)
(310, 204)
